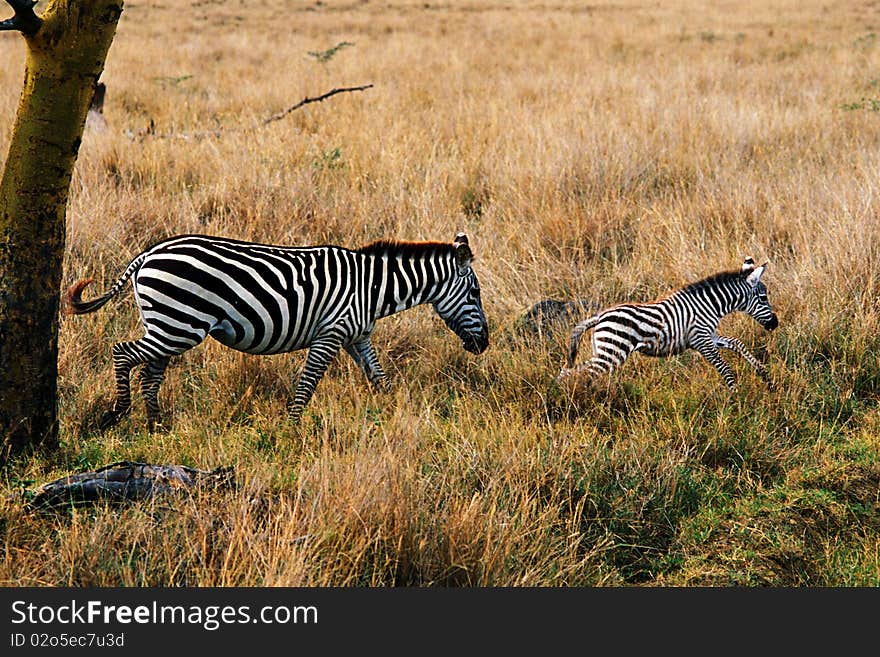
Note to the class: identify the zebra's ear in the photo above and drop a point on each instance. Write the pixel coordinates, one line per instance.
(755, 276)
(460, 238)
(748, 265)
(463, 256)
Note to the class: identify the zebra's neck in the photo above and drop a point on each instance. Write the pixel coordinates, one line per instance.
(403, 280)
(720, 295)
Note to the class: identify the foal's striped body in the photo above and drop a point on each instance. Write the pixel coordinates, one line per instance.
(686, 319)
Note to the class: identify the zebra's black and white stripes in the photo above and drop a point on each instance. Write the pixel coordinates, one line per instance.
(266, 299)
(686, 319)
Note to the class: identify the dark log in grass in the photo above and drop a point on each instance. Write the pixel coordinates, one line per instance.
(126, 481)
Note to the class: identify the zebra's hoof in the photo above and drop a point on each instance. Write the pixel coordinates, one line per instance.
(566, 374)
(108, 419)
(382, 385)
(157, 426)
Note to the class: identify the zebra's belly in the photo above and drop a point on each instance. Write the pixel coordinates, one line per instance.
(285, 338)
(229, 333)
(660, 348)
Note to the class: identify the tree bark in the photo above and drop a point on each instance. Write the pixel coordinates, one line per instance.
(66, 50)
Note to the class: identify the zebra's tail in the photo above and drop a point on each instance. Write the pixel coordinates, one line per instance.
(576, 335)
(73, 303)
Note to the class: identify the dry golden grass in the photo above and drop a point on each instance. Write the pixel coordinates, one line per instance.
(612, 151)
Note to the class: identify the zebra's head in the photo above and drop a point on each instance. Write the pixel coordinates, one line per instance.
(756, 303)
(460, 306)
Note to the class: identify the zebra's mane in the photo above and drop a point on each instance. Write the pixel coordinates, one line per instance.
(715, 279)
(409, 249)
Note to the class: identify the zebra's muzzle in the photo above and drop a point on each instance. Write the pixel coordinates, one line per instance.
(475, 344)
(772, 324)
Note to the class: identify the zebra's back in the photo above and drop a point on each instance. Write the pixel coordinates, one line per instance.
(256, 298)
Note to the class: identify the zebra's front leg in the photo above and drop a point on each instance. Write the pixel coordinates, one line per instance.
(125, 356)
(705, 345)
(151, 378)
(738, 347)
(364, 355)
(320, 354)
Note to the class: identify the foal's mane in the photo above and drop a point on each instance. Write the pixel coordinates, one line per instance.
(714, 279)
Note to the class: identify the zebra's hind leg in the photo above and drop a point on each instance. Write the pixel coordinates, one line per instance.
(126, 355)
(594, 368)
(568, 372)
(151, 378)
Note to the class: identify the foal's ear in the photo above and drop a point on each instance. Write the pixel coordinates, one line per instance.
(463, 254)
(755, 276)
(748, 265)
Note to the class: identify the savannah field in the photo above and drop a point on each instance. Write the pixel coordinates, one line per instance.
(608, 151)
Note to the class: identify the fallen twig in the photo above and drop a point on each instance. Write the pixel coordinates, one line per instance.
(316, 99)
(150, 132)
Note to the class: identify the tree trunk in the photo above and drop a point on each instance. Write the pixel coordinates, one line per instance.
(66, 49)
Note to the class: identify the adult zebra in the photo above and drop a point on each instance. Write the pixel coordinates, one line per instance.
(267, 299)
(686, 319)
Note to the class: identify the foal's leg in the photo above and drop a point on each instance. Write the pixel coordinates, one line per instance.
(738, 347)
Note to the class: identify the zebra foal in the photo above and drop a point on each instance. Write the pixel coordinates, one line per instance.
(686, 319)
(268, 299)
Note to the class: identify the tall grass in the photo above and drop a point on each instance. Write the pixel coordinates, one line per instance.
(609, 152)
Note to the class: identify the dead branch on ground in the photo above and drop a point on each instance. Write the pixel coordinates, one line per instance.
(125, 481)
(218, 132)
